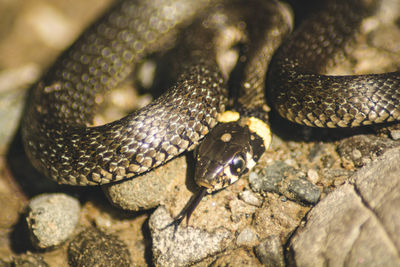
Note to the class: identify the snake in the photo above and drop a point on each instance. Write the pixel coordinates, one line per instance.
(63, 145)
(301, 91)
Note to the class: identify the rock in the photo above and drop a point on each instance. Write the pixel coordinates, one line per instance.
(336, 176)
(273, 176)
(304, 191)
(362, 149)
(94, 247)
(392, 130)
(284, 179)
(270, 252)
(149, 190)
(278, 217)
(312, 176)
(251, 198)
(187, 245)
(357, 224)
(52, 219)
(247, 237)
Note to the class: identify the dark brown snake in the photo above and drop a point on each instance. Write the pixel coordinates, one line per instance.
(55, 127)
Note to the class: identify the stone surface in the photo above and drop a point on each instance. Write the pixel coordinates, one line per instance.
(358, 223)
(304, 191)
(251, 198)
(187, 245)
(52, 219)
(247, 237)
(270, 252)
(287, 180)
(93, 247)
(362, 149)
(274, 175)
(149, 190)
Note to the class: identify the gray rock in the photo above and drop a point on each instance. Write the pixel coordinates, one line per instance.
(395, 134)
(247, 237)
(149, 190)
(52, 219)
(270, 252)
(273, 176)
(187, 246)
(393, 131)
(284, 179)
(251, 198)
(357, 224)
(312, 176)
(304, 191)
(362, 149)
(336, 176)
(93, 247)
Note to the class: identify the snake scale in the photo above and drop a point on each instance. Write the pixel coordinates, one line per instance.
(56, 127)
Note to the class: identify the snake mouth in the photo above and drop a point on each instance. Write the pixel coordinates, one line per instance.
(205, 184)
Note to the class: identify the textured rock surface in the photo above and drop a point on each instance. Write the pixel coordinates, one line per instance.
(94, 247)
(358, 223)
(52, 219)
(187, 245)
(149, 190)
(270, 252)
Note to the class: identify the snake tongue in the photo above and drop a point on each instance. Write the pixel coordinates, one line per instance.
(187, 211)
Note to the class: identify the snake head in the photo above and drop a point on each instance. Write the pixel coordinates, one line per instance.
(227, 152)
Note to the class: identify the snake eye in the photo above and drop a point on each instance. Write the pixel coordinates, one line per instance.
(237, 165)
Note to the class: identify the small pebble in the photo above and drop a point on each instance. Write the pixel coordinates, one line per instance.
(247, 237)
(298, 187)
(270, 252)
(93, 247)
(357, 154)
(251, 198)
(395, 134)
(312, 176)
(304, 191)
(52, 219)
(274, 175)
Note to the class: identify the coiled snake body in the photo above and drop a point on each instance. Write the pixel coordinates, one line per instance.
(56, 132)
